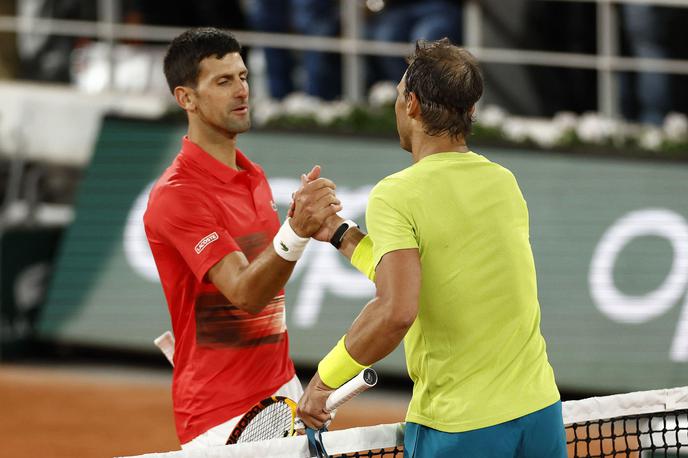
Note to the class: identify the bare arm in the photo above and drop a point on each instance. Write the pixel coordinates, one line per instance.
(379, 328)
(383, 322)
(251, 286)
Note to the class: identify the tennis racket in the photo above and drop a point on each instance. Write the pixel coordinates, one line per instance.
(275, 417)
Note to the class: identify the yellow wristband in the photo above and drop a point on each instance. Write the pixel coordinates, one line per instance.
(362, 257)
(338, 367)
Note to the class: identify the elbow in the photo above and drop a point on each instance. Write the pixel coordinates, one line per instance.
(250, 306)
(405, 322)
(246, 303)
(401, 317)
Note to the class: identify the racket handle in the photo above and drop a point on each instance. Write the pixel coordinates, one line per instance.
(365, 379)
(165, 343)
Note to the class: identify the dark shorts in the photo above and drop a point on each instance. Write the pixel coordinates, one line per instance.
(537, 435)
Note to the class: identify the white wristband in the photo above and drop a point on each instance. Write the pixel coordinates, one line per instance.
(287, 244)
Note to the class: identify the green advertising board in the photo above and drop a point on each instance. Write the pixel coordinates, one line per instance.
(610, 239)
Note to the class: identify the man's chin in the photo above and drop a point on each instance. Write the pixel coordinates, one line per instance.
(239, 127)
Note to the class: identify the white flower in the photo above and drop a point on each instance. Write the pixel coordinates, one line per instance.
(595, 128)
(544, 132)
(491, 116)
(382, 94)
(264, 111)
(329, 112)
(651, 138)
(300, 104)
(676, 127)
(515, 129)
(565, 120)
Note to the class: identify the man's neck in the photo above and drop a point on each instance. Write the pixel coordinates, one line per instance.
(424, 145)
(220, 145)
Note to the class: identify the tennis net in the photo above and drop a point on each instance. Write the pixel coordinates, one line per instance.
(633, 425)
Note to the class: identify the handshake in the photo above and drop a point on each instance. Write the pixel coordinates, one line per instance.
(312, 214)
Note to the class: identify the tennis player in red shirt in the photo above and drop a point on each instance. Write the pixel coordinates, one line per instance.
(222, 256)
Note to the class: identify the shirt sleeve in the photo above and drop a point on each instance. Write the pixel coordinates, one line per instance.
(186, 223)
(362, 257)
(389, 220)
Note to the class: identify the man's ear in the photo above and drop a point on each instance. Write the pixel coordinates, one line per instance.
(185, 98)
(471, 111)
(412, 105)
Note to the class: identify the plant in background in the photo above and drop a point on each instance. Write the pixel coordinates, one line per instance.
(587, 132)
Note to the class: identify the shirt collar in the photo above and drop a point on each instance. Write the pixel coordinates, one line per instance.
(216, 168)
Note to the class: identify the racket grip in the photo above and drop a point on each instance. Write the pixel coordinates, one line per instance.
(165, 343)
(365, 379)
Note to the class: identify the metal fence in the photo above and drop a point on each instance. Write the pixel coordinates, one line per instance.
(607, 61)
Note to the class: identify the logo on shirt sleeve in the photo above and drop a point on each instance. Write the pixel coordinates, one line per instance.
(205, 241)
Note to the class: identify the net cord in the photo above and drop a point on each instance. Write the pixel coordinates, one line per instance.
(627, 404)
(391, 435)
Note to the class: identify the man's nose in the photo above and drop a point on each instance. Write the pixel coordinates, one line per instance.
(243, 90)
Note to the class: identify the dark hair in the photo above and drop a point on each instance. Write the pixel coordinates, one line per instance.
(448, 82)
(188, 50)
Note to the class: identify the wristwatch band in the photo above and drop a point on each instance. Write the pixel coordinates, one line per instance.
(338, 236)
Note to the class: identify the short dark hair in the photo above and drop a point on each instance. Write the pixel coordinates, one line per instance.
(448, 82)
(188, 50)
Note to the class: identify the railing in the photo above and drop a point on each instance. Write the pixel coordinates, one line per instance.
(606, 62)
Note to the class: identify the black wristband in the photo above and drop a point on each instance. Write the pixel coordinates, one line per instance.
(338, 235)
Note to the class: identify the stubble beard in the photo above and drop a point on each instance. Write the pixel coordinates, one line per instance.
(238, 126)
(228, 125)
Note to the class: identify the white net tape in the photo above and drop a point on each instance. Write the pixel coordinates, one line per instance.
(391, 435)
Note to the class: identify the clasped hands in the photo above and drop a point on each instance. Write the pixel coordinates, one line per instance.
(314, 207)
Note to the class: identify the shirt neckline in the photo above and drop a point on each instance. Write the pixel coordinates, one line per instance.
(450, 154)
(216, 168)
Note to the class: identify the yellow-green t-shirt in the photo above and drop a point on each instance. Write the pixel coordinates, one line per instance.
(475, 352)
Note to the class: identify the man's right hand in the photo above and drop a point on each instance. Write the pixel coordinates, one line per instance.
(314, 203)
(326, 231)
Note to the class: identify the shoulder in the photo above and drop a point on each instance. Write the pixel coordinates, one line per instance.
(397, 191)
(173, 195)
(394, 194)
(393, 185)
(494, 166)
(177, 189)
(503, 175)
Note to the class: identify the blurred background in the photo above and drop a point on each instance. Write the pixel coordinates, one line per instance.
(585, 102)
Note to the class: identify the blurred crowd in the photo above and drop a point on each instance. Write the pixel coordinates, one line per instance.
(644, 31)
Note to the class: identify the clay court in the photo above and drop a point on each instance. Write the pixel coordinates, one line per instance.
(105, 412)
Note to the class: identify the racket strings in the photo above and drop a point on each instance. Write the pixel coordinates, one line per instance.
(273, 422)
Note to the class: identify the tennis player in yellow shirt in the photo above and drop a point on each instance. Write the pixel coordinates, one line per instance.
(448, 248)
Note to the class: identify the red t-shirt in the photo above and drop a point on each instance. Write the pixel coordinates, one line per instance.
(225, 359)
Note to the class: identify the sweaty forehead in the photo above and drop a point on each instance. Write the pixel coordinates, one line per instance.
(230, 63)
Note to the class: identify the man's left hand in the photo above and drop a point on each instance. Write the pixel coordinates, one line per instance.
(311, 408)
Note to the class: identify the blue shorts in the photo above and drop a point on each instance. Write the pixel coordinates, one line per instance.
(540, 434)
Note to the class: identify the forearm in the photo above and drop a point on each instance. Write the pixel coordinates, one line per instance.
(383, 322)
(372, 337)
(375, 333)
(251, 286)
(261, 280)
